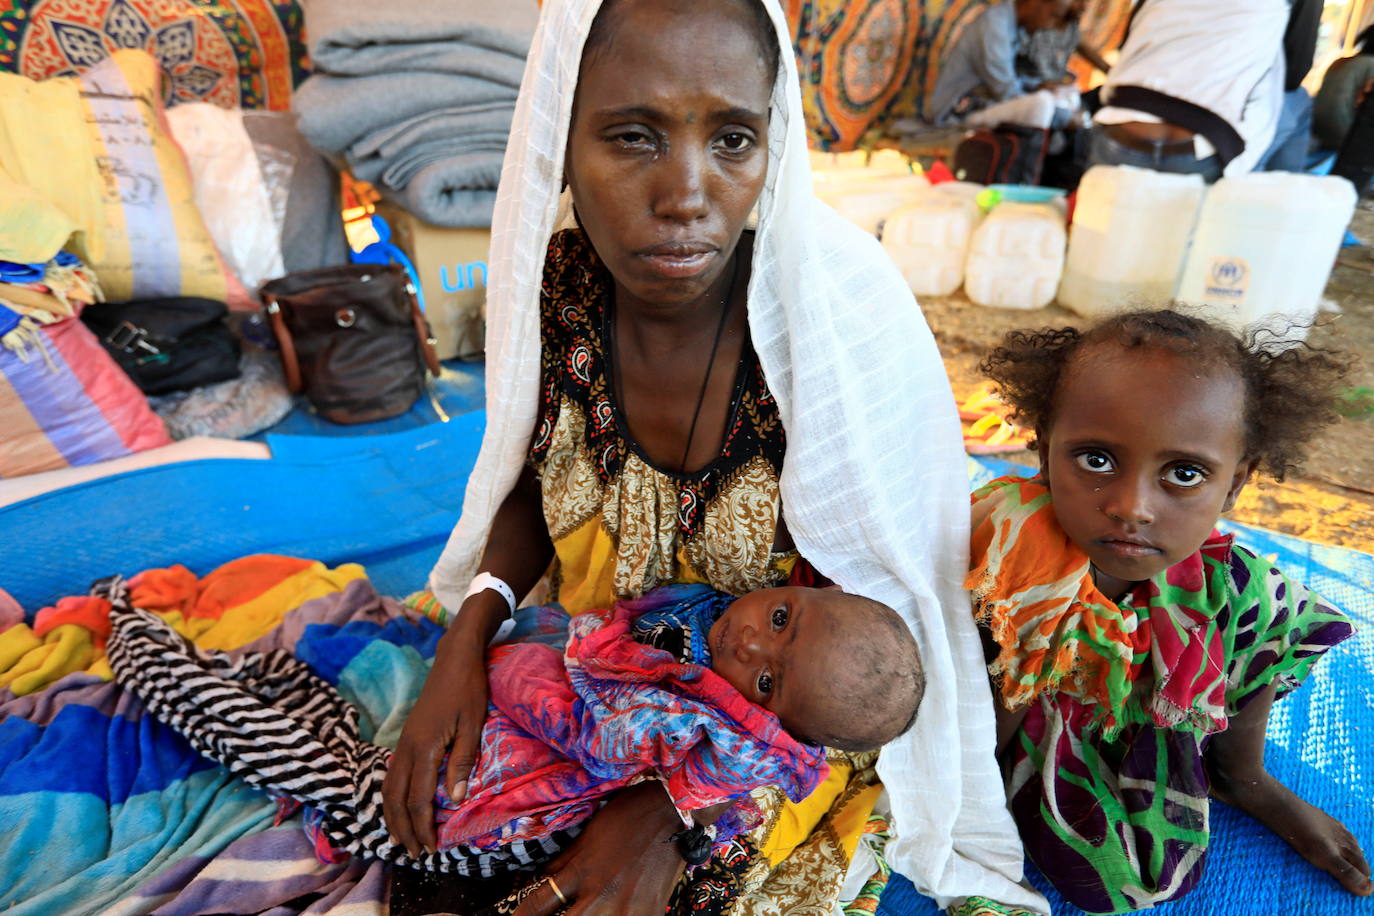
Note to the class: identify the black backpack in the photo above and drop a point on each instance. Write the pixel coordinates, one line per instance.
(167, 344)
(1005, 154)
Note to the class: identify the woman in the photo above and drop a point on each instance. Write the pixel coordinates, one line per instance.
(645, 442)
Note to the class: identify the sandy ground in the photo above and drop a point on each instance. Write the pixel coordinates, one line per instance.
(1332, 499)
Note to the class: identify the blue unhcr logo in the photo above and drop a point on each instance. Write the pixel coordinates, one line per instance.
(1229, 279)
(465, 276)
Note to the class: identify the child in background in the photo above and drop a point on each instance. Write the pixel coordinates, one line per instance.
(1135, 652)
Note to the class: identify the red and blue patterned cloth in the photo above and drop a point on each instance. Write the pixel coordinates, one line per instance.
(629, 697)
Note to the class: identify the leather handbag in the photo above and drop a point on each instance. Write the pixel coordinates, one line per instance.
(353, 338)
(167, 345)
(1005, 154)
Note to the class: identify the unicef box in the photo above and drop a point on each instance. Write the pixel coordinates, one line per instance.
(452, 264)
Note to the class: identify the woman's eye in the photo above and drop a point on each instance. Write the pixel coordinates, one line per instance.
(631, 138)
(779, 618)
(1097, 462)
(736, 142)
(765, 684)
(1185, 475)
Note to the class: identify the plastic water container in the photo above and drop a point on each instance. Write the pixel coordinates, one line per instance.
(1264, 248)
(1016, 256)
(1128, 239)
(928, 240)
(867, 200)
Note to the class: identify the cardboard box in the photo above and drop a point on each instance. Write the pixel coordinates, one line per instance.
(452, 264)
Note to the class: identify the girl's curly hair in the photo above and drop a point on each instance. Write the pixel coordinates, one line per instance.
(1290, 389)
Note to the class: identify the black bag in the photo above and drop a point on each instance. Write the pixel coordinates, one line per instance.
(352, 338)
(1006, 154)
(167, 344)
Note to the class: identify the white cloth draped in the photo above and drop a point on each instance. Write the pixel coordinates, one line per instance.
(874, 486)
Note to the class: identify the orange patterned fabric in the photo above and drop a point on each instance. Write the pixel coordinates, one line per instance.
(231, 53)
(1032, 587)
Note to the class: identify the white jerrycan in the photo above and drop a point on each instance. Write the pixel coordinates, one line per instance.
(1128, 239)
(1264, 248)
(1016, 256)
(928, 240)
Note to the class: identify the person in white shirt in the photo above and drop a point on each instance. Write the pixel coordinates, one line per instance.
(1197, 89)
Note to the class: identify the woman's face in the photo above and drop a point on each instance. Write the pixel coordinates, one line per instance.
(668, 148)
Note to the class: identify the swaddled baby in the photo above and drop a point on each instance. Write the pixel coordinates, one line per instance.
(714, 695)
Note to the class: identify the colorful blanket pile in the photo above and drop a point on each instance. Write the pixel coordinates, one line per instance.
(110, 810)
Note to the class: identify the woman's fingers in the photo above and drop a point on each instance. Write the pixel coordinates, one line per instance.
(420, 798)
(395, 789)
(463, 756)
(1357, 880)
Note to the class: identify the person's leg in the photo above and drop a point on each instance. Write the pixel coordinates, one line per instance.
(1356, 159)
(1035, 109)
(1292, 137)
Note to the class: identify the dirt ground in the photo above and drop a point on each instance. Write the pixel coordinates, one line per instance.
(1332, 499)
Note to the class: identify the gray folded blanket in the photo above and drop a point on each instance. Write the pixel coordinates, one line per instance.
(417, 96)
(360, 37)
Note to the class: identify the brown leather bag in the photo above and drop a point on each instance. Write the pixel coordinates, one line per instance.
(352, 338)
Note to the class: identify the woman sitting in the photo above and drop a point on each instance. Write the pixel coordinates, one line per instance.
(663, 387)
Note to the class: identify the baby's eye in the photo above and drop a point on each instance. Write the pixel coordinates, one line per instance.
(779, 617)
(1185, 475)
(765, 684)
(1095, 461)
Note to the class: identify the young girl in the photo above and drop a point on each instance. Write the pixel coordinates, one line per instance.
(1135, 652)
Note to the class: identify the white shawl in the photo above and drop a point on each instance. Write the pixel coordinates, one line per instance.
(874, 484)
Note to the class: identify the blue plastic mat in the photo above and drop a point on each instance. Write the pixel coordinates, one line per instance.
(388, 502)
(458, 390)
(1320, 744)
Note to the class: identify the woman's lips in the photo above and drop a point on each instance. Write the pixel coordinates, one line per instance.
(677, 262)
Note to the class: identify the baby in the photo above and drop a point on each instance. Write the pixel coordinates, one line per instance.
(1135, 652)
(686, 684)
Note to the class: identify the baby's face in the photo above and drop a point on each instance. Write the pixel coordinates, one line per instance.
(1146, 451)
(775, 647)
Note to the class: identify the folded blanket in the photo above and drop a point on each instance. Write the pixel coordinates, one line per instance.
(433, 142)
(357, 37)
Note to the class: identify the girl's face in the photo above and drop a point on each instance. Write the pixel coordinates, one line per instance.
(1145, 453)
(668, 147)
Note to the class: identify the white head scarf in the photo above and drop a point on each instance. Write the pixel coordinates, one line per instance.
(874, 484)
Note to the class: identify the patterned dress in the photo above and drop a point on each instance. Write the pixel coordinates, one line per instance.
(1105, 777)
(621, 526)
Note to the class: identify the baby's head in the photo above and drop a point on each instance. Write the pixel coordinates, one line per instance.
(1150, 423)
(836, 669)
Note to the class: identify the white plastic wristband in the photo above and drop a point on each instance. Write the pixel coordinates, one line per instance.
(483, 581)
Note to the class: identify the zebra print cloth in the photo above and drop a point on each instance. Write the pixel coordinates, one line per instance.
(283, 729)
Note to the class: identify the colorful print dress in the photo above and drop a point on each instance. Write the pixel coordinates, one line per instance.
(622, 527)
(1105, 777)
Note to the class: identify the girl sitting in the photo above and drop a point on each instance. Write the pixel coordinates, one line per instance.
(1135, 652)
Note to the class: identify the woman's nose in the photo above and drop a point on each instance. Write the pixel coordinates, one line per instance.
(1130, 501)
(681, 192)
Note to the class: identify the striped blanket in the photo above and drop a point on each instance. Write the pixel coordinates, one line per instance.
(108, 811)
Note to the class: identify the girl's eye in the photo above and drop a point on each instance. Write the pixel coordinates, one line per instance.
(779, 618)
(1185, 475)
(765, 684)
(736, 142)
(1097, 462)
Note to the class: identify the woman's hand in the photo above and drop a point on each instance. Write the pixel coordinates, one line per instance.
(622, 863)
(448, 716)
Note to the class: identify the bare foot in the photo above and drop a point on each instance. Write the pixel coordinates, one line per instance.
(1315, 835)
